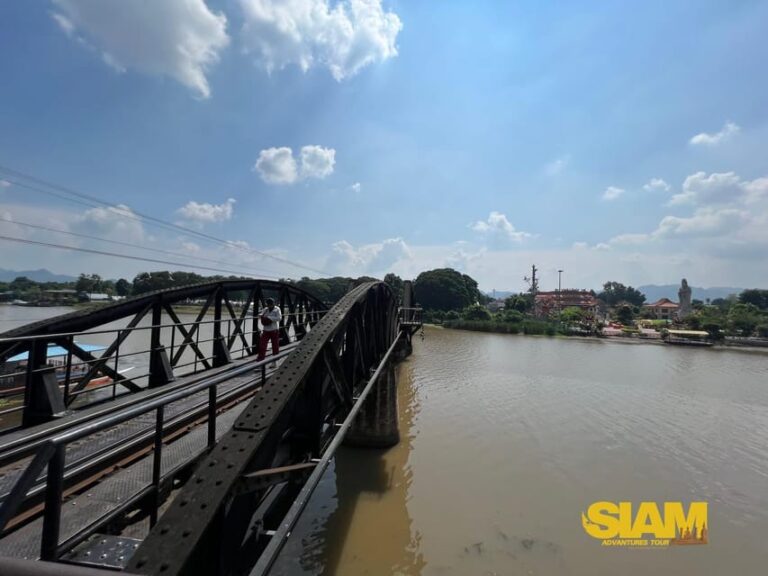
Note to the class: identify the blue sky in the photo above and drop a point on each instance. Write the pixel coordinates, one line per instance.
(615, 141)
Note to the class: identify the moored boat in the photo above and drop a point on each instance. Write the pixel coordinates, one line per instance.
(13, 371)
(688, 338)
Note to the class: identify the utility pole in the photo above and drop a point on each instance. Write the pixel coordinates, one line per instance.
(559, 293)
(533, 284)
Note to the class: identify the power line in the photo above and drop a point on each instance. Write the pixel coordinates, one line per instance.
(126, 256)
(129, 213)
(119, 243)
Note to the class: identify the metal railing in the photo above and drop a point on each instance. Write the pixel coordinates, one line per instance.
(155, 346)
(52, 453)
(410, 316)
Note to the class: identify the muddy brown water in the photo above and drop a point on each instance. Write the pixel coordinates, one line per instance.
(507, 439)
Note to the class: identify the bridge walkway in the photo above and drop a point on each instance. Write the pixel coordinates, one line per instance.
(114, 457)
(84, 513)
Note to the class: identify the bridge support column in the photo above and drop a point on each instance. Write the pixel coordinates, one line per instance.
(46, 401)
(376, 425)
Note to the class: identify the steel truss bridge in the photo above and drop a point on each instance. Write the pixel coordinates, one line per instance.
(145, 436)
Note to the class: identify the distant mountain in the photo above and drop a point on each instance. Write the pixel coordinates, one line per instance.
(655, 292)
(41, 275)
(500, 294)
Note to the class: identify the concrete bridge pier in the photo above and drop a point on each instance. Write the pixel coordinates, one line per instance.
(376, 424)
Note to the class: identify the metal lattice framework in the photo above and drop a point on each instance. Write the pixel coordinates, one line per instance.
(226, 311)
(234, 512)
(233, 502)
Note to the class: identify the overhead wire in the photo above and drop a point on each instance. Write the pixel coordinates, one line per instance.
(128, 244)
(125, 256)
(58, 191)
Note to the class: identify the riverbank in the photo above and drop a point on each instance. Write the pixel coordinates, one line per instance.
(543, 328)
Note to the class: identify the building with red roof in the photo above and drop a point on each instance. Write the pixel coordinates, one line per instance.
(663, 309)
(547, 303)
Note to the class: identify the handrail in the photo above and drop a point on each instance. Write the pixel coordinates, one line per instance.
(7, 452)
(276, 543)
(52, 450)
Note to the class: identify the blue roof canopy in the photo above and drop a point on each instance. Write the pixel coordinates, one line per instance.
(54, 350)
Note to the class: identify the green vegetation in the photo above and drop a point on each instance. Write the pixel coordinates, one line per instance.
(616, 293)
(446, 289)
(449, 298)
(529, 326)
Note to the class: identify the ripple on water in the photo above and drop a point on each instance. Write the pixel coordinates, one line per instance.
(507, 439)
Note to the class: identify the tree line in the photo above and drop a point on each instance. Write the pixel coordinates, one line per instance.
(446, 295)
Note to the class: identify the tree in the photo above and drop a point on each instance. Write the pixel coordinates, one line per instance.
(744, 318)
(123, 287)
(615, 293)
(518, 302)
(476, 312)
(396, 283)
(625, 315)
(446, 289)
(572, 315)
(512, 315)
(22, 284)
(758, 298)
(89, 283)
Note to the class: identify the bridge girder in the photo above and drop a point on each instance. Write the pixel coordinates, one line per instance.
(214, 525)
(168, 342)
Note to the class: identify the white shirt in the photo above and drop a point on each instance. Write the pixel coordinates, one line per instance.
(275, 315)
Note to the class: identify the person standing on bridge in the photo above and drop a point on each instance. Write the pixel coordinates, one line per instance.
(270, 322)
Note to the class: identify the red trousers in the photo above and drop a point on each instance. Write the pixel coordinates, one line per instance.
(266, 336)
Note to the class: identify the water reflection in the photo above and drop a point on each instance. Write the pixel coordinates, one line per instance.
(358, 521)
(510, 438)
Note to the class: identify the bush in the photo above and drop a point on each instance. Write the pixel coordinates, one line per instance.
(513, 316)
(476, 312)
(535, 327)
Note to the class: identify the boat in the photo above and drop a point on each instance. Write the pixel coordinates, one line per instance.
(12, 372)
(688, 338)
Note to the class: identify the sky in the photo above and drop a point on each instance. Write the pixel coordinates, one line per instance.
(611, 140)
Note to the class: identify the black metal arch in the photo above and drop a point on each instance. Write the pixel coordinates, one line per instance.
(224, 516)
(168, 342)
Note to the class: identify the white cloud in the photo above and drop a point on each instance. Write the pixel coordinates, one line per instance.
(239, 244)
(64, 23)
(756, 190)
(203, 212)
(612, 192)
(279, 166)
(497, 224)
(356, 187)
(343, 37)
(371, 258)
(114, 222)
(657, 185)
(5, 184)
(181, 39)
(704, 222)
(190, 247)
(703, 139)
(461, 259)
(317, 162)
(558, 165)
(716, 188)
(629, 239)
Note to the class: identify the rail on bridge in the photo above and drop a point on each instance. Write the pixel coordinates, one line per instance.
(165, 446)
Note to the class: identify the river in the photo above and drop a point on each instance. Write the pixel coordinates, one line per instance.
(507, 439)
